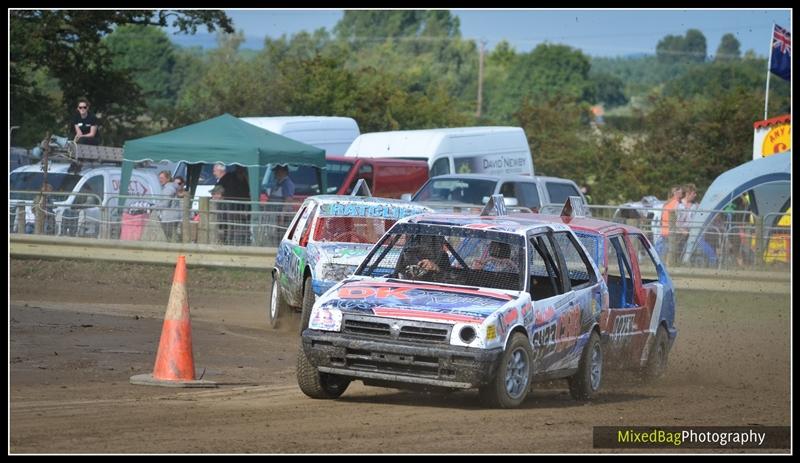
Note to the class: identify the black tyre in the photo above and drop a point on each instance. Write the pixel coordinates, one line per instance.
(659, 354)
(511, 384)
(584, 384)
(315, 384)
(277, 306)
(308, 304)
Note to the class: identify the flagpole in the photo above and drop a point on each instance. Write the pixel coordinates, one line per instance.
(769, 66)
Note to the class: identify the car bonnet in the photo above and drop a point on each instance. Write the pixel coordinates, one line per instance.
(415, 301)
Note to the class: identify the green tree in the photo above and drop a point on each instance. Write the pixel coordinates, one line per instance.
(230, 84)
(546, 73)
(148, 55)
(729, 48)
(608, 90)
(688, 48)
(67, 45)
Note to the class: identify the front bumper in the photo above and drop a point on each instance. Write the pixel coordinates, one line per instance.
(400, 362)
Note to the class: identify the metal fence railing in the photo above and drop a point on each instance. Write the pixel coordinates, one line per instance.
(150, 218)
(733, 239)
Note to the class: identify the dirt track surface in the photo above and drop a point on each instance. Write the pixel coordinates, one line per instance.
(78, 331)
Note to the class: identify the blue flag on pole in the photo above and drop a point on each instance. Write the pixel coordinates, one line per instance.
(781, 63)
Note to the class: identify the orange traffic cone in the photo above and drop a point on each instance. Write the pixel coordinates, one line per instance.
(174, 361)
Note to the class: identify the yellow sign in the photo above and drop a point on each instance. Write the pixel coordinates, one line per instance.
(777, 140)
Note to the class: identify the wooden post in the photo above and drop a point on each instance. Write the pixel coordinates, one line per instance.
(105, 223)
(38, 212)
(204, 228)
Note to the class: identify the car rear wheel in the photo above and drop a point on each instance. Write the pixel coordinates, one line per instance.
(659, 354)
(276, 304)
(510, 386)
(584, 384)
(308, 303)
(316, 384)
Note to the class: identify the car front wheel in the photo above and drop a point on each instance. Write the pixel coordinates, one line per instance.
(513, 379)
(316, 384)
(584, 384)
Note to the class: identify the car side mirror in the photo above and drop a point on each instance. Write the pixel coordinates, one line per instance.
(405, 197)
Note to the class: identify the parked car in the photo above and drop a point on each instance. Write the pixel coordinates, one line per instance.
(86, 189)
(325, 242)
(517, 190)
(638, 324)
(510, 300)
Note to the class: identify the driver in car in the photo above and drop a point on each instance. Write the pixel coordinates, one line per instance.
(498, 259)
(423, 257)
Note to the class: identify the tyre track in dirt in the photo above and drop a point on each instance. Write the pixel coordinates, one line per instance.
(72, 350)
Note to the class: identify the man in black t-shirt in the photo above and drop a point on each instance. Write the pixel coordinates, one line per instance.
(85, 124)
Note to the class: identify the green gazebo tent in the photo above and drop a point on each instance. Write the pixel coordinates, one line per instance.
(225, 139)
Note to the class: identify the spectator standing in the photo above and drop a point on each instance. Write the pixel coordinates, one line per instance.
(668, 220)
(237, 188)
(219, 172)
(171, 212)
(85, 124)
(281, 190)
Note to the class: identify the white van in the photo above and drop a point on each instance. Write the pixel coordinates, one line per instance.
(98, 184)
(333, 134)
(463, 150)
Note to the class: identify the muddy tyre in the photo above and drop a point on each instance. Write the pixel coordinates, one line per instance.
(584, 384)
(657, 360)
(315, 384)
(308, 304)
(511, 383)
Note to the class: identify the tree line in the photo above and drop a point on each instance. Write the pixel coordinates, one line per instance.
(674, 117)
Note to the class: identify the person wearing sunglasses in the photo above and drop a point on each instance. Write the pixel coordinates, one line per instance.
(85, 124)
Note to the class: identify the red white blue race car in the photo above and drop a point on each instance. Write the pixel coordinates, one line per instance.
(327, 239)
(638, 326)
(459, 302)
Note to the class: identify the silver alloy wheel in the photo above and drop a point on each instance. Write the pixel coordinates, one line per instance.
(597, 366)
(517, 373)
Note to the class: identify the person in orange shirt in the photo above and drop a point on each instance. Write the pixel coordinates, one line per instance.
(668, 219)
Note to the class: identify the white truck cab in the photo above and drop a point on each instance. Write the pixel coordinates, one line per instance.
(462, 150)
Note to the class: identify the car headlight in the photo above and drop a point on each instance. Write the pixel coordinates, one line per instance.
(324, 319)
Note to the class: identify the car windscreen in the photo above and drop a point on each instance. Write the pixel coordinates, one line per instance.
(450, 255)
(470, 191)
(32, 181)
(367, 230)
(337, 172)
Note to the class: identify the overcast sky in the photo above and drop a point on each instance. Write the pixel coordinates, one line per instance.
(595, 32)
